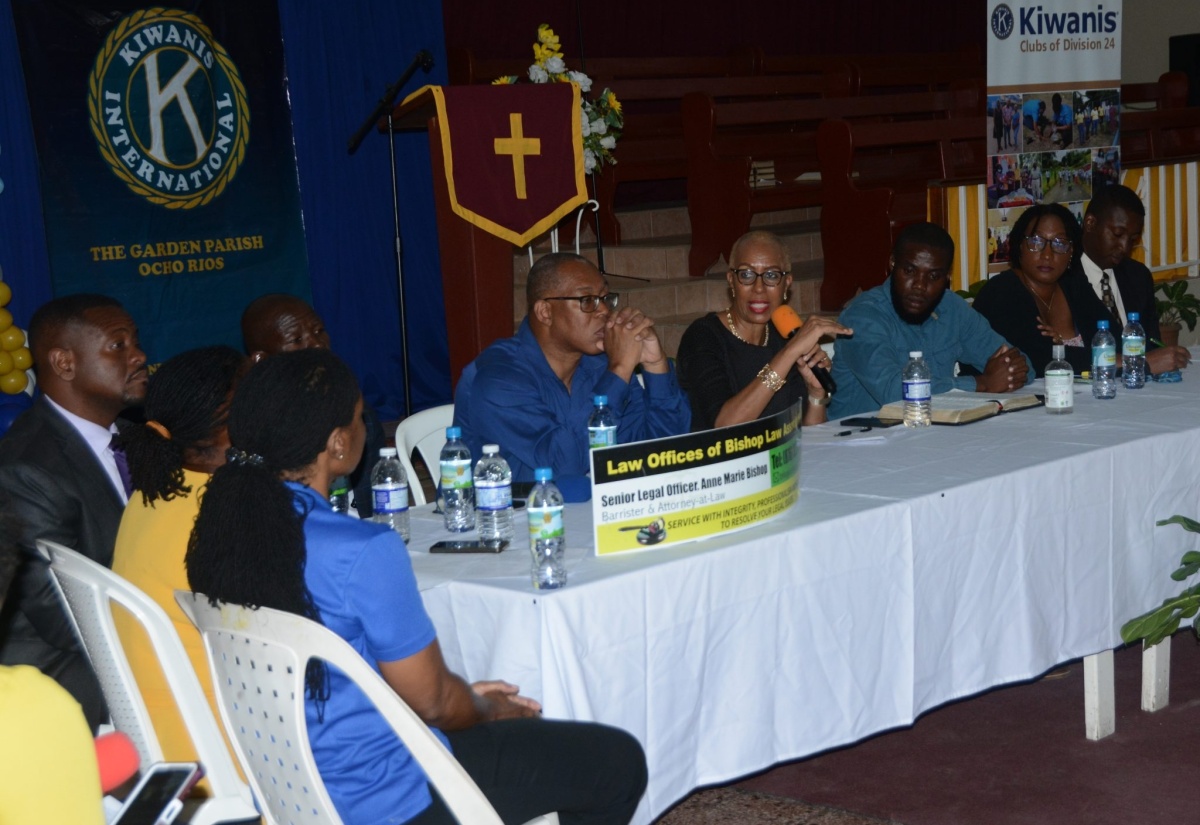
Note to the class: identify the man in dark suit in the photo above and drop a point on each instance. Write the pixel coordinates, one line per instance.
(1112, 227)
(63, 478)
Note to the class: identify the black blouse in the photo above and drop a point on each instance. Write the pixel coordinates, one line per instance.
(714, 366)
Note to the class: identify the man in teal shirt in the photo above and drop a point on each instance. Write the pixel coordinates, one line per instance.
(914, 309)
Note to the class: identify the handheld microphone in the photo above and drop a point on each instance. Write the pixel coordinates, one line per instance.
(786, 323)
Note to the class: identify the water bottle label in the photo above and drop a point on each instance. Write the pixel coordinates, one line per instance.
(546, 523)
(917, 390)
(1105, 356)
(601, 437)
(1060, 389)
(456, 474)
(1133, 345)
(390, 498)
(493, 496)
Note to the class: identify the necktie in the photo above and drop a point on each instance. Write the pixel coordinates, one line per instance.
(1106, 293)
(122, 466)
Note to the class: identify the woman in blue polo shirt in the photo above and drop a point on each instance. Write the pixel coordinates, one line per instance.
(266, 536)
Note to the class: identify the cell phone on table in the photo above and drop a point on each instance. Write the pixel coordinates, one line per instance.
(469, 546)
(871, 421)
(158, 796)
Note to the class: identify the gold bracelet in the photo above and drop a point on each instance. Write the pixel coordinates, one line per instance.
(770, 378)
(823, 401)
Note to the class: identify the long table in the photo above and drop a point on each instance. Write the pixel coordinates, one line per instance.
(917, 567)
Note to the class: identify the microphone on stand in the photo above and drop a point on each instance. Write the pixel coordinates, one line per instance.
(786, 323)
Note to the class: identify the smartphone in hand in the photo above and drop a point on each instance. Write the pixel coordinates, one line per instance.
(158, 796)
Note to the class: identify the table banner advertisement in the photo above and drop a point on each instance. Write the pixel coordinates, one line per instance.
(1053, 104)
(167, 162)
(654, 494)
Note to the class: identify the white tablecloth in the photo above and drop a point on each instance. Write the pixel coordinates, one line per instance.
(914, 569)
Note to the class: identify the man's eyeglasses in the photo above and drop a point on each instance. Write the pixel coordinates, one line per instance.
(748, 276)
(1036, 243)
(590, 303)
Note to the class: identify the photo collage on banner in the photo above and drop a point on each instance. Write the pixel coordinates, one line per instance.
(1053, 106)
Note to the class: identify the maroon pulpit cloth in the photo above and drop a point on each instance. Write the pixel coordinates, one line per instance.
(514, 155)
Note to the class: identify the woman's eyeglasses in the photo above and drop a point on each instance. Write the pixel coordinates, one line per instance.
(1036, 243)
(590, 303)
(748, 276)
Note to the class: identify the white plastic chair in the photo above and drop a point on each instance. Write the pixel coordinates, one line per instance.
(88, 590)
(258, 659)
(426, 433)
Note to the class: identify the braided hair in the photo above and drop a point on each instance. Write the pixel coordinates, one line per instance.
(188, 399)
(248, 543)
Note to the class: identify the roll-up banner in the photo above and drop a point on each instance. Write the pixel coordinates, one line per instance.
(1054, 96)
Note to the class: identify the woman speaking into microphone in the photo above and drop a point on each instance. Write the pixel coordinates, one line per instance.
(735, 365)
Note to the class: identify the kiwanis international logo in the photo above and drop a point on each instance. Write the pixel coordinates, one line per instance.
(1002, 21)
(168, 108)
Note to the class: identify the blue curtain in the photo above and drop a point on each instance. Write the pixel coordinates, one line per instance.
(341, 57)
(23, 256)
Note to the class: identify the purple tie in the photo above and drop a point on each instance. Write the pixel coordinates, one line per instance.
(122, 466)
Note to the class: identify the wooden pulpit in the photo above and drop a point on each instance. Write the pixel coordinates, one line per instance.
(477, 267)
(516, 159)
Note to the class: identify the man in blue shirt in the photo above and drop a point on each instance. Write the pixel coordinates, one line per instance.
(914, 310)
(1064, 120)
(532, 393)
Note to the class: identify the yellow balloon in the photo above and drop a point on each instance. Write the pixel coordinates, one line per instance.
(14, 382)
(6, 362)
(5, 293)
(11, 338)
(22, 358)
(5, 319)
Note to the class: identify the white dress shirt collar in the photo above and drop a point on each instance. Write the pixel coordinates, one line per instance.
(1094, 273)
(99, 441)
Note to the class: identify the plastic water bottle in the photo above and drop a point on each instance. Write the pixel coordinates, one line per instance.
(389, 489)
(917, 391)
(1104, 363)
(1060, 383)
(339, 495)
(547, 537)
(493, 496)
(1133, 353)
(602, 425)
(458, 496)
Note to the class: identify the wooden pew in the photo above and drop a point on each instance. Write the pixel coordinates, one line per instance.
(1159, 135)
(892, 73)
(464, 67)
(653, 146)
(725, 139)
(876, 178)
(1170, 91)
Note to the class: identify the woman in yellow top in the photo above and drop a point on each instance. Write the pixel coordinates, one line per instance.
(171, 458)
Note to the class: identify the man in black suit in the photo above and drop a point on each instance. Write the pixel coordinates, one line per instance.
(63, 478)
(1112, 227)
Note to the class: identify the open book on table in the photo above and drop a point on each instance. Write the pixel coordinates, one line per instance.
(962, 407)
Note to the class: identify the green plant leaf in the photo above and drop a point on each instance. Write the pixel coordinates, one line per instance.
(1185, 572)
(1183, 521)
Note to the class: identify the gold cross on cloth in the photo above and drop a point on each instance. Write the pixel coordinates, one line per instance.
(518, 146)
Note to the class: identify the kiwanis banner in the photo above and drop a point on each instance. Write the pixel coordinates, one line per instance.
(672, 490)
(514, 155)
(1054, 78)
(168, 172)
